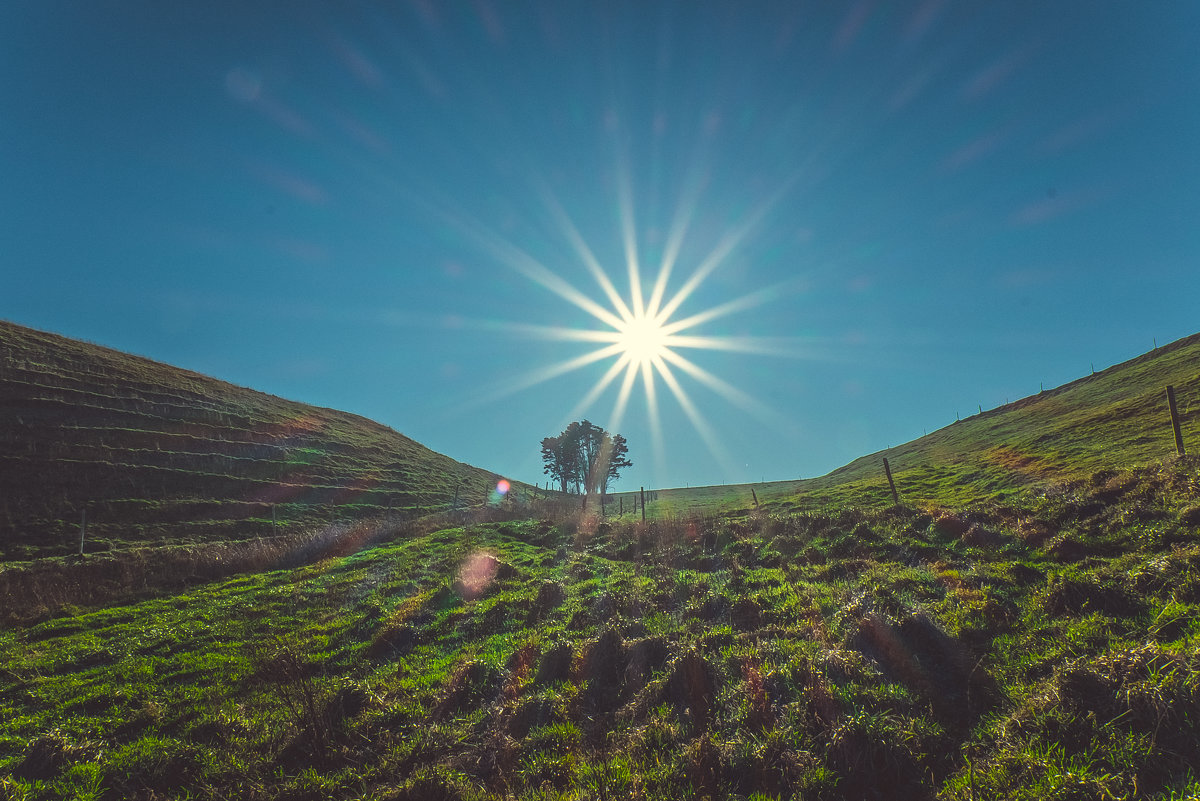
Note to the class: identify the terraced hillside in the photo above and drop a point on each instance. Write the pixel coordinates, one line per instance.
(156, 454)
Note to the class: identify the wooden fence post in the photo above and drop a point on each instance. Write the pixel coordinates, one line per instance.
(754, 495)
(643, 504)
(1175, 419)
(887, 468)
(82, 528)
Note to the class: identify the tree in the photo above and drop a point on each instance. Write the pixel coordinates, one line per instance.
(615, 461)
(559, 459)
(585, 456)
(590, 442)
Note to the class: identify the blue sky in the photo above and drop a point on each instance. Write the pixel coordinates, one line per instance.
(900, 212)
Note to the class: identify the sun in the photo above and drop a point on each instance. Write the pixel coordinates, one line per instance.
(642, 332)
(643, 340)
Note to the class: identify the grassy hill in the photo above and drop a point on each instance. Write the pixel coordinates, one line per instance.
(1030, 630)
(159, 455)
(1113, 419)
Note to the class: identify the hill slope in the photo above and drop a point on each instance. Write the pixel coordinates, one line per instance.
(159, 454)
(1114, 419)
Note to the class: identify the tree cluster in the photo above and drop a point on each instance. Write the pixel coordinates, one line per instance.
(584, 458)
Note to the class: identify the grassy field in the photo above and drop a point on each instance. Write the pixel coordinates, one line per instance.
(159, 456)
(1046, 648)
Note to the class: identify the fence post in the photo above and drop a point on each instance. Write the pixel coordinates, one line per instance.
(643, 504)
(887, 468)
(1175, 419)
(754, 495)
(274, 521)
(82, 528)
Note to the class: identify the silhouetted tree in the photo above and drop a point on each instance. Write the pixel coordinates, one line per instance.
(615, 451)
(584, 456)
(559, 457)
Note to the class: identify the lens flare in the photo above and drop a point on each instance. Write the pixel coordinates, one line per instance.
(475, 574)
(502, 487)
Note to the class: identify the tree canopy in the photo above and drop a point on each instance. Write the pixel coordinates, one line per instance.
(584, 458)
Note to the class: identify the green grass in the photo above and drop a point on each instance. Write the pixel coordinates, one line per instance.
(1046, 646)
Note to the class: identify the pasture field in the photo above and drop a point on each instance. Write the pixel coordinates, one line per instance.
(1043, 647)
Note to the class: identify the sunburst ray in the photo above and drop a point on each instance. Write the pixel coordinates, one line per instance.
(585, 253)
(629, 235)
(598, 388)
(543, 374)
(534, 270)
(707, 435)
(744, 303)
(731, 393)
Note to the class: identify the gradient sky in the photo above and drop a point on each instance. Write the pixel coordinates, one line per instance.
(928, 207)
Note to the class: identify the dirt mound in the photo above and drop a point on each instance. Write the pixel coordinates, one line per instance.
(644, 658)
(44, 758)
(555, 664)
(473, 683)
(1076, 596)
(747, 613)
(949, 524)
(549, 597)
(916, 652)
(692, 685)
(602, 666)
